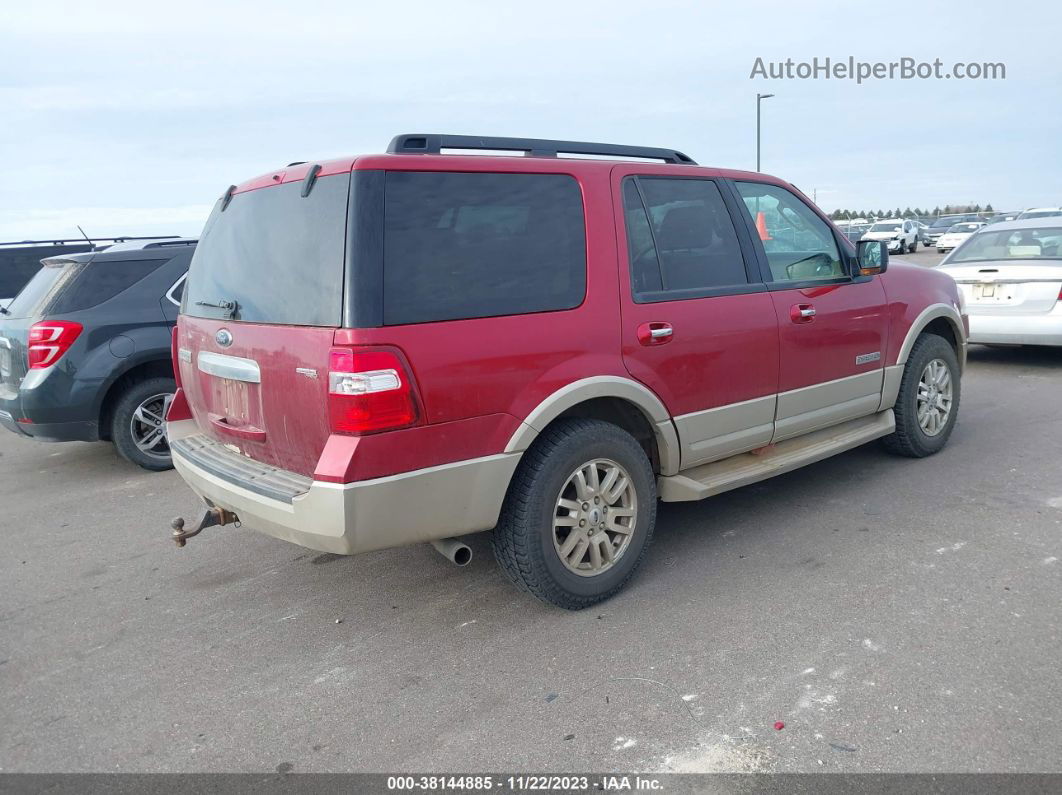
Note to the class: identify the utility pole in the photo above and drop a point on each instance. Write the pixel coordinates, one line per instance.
(759, 99)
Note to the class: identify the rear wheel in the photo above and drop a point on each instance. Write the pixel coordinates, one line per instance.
(138, 423)
(579, 514)
(928, 402)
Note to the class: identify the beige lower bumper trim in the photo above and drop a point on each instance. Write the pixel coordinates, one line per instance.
(428, 504)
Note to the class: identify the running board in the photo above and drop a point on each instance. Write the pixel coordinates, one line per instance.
(707, 480)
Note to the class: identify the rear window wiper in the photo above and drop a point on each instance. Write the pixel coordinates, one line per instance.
(224, 304)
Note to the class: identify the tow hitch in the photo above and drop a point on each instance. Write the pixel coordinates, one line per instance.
(213, 517)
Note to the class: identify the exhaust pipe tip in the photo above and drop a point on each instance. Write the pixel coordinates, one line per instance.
(454, 550)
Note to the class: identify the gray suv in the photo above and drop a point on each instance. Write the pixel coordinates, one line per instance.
(85, 348)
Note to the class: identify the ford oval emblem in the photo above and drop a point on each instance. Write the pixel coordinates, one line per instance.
(223, 338)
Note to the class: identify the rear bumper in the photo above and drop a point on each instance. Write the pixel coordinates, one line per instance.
(1045, 329)
(350, 518)
(52, 432)
(43, 397)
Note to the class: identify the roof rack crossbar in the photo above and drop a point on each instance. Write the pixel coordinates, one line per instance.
(434, 143)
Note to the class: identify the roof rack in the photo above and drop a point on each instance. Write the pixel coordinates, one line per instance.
(78, 240)
(433, 143)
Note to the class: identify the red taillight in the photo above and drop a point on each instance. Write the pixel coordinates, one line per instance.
(173, 357)
(49, 340)
(369, 391)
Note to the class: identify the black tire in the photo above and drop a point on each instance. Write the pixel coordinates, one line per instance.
(903, 247)
(909, 439)
(524, 538)
(914, 246)
(122, 417)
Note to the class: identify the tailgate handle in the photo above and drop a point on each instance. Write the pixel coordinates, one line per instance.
(248, 432)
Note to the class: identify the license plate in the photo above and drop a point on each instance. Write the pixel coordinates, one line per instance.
(985, 291)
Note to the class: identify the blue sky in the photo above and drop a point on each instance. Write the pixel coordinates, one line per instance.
(130, 119)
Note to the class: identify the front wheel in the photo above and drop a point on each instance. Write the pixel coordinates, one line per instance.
(138, 423)
(914, 245)
(928, 401)
(579, 514)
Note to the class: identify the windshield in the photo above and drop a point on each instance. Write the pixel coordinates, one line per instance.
(277, 255)
(963, 228)
(942, 223)
(1041, 214)
(1025, 244)
(887, 227)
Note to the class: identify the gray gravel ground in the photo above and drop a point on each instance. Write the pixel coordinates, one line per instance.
(895, 614)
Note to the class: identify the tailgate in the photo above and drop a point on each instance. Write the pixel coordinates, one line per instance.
(264, 394)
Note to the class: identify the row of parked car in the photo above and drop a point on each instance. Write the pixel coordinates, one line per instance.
(944, 233)
(410, 347)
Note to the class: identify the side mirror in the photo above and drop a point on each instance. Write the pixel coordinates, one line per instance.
(872, 257)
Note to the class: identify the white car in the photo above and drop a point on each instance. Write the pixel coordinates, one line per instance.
(957, 235)
(1040, 212)
(1010, 277)
(901, 235)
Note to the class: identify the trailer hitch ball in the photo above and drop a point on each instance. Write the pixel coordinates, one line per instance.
(212, 517)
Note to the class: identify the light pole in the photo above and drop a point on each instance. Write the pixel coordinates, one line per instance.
(759, 99)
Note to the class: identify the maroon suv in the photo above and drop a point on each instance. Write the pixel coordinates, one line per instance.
(414, 346)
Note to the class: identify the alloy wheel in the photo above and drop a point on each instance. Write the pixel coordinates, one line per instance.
(935, 396)
(595, 517)
(148, 426)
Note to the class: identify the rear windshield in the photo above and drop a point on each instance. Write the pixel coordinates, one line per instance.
(277, 255)
(1028, 245)
(48, 282)
(466, 245)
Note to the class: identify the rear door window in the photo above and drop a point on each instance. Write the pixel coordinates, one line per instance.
(276, 254)
(468, 245)
(681, 239)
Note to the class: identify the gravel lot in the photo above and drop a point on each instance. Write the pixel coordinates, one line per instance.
(896, 615)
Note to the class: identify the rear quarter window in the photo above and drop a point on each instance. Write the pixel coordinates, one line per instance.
(470, 245)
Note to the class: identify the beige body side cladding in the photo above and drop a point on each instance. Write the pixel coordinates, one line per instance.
(604, 386)
(727, 430)
(818, 406)
(741, 470)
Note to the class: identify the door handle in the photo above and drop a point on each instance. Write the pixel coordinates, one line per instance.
(248, 432)
(655, 333)
(802, 313)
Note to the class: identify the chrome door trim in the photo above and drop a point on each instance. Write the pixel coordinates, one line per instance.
(234, 368)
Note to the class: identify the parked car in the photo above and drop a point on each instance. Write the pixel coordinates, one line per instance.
(1040, 212)
(900, 235)
(414, 346)
(1000, 217)
(1010, 275)
(940, 226)
(20, 261)
(923, 232)
(957, 235)
(85, 348)
(854, 232)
